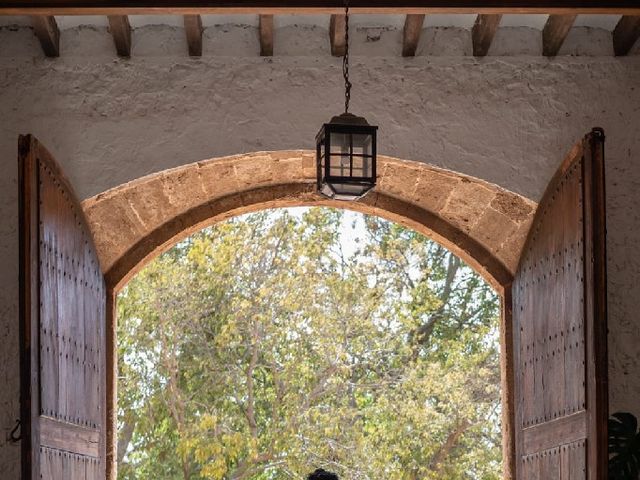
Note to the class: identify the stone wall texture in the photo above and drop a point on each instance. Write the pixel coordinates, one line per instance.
(507, 120)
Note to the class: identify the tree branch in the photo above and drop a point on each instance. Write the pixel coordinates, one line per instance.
(445, 450)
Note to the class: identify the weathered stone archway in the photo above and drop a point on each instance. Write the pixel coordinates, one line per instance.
(482, 223)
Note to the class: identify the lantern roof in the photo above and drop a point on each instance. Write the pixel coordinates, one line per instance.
(349, 119)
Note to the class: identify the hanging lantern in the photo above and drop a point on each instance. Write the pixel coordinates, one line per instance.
(346, 157)
(346, 147)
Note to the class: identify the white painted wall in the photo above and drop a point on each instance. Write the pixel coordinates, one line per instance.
(507, 119)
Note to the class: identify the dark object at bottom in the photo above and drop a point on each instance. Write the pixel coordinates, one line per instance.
(624, 447)
(321, 474)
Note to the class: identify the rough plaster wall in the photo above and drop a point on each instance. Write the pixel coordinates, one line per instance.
(508, 120)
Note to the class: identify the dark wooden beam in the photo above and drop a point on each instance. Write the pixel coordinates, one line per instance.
(194, 7)
(411, 34)
(484, 29)
(555, 31)
(193, 29)
(266, 35)
(121, 33)
(46, 29)
(625, 34)
(337, 35)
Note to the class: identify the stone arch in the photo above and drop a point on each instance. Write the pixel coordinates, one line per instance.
(481, 222)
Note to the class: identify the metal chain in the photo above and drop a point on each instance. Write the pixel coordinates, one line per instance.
(345, 59)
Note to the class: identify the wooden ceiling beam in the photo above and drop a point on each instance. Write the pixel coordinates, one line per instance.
(555, 32)
(194, 7)
(411, 34)
(121, 33)
(46, 29)
(626, 34)
(337, 30)
(193, 30)
(484, 29)
(266, 35)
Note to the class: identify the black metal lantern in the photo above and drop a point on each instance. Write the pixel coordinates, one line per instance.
(346, 157)
(346, 147)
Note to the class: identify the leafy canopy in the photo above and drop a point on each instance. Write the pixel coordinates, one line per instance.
(281, 341)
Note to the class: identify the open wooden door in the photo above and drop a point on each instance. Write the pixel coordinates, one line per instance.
(559, 324)
(62, 315)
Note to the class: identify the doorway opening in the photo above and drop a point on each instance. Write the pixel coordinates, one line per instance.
(288, 339)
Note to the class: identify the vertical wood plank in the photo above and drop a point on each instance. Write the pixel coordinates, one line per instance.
(564, 463)
(537, 400)
(507, 379)
(121, 33)
(555, 32)
(553, 465)
(577, 461)
(595, 275)
(266, 35)
(193, 29)
(337, 37)
(111, 387)
(104, 299)
(29, 307)
(92, 469)
(483, 32)
(46, 29)
(626, 34)
(544, 470)
(45, 464)
(411, 34)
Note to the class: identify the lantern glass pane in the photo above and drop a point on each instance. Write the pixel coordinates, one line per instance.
(362, 144)
(349, 190)
(362, 167)
(340, 143)
(339, 165)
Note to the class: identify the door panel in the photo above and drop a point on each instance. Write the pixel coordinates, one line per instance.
(62, 327)
(559, 315)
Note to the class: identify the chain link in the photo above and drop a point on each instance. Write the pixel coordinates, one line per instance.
(345, 59)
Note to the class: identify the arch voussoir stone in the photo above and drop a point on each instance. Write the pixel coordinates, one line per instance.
(483, 223)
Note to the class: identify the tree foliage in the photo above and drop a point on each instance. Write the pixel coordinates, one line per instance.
(263, 348)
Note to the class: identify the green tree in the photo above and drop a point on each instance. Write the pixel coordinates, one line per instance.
(267, 346)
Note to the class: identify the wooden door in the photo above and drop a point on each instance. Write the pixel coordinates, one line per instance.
(62, 315)
(560, 332)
